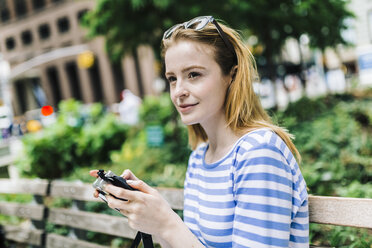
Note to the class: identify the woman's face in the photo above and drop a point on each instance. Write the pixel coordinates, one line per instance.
(197, 85)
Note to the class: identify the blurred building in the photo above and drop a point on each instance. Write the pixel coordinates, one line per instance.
(362, 29)
(358, 57)
(355, 61)
(33, 31)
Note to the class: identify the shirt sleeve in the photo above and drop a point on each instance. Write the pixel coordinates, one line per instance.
(264, 196)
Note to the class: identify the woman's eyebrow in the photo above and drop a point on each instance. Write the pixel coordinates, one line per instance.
(192, 67)
(168, 73)
(187, 69)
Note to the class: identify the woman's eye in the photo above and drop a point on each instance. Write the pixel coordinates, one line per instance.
(194, 74)
(171, 79)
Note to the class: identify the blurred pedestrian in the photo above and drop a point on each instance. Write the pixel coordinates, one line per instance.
(129, 107)
(243, 186)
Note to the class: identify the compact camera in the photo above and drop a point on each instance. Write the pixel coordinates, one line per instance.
(111, 178)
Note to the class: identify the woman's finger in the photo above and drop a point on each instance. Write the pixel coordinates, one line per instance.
(93, 173)
(124, 212)
(128, 175)
(121, 193)
(114, 203)
(141, 186)
(95, 194)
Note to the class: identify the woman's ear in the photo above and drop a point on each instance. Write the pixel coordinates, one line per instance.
(233, 73)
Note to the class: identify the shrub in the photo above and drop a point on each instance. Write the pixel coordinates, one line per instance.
(81, 136)
(96, 141)
(333, 135)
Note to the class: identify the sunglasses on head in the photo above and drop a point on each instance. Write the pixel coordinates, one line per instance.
(198, 23)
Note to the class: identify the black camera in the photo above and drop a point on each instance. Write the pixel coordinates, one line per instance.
(109, 177)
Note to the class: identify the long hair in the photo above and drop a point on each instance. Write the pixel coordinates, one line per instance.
(243, 109)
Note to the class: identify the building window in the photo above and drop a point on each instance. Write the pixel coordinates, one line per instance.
(4, 11)
(63, 24)
(118, 79)
(81, 13)
(26, 37)
(10, 43)
(5, 14)
(20, 8)
(95, 80)
(44, 31)
(54, 83)
(38, 4)
(38, 93)
(73, 78)
(21, 95)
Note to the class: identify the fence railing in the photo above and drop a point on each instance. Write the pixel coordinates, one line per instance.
(354, 212)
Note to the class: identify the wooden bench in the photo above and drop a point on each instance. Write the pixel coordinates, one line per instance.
(341, 211)
(7, 169)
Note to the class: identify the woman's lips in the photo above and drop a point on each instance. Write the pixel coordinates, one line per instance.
(186, 107)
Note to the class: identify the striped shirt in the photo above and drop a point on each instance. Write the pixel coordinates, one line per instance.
(255, 196)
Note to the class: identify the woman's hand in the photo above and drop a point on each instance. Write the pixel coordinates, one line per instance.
(148, 212)
(146, 209)
(127, 175)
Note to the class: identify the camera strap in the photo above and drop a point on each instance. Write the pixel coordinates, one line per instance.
(146, 240)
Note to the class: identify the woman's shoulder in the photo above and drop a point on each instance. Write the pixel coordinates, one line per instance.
(265, 146)
(260, 137)
(263, 142)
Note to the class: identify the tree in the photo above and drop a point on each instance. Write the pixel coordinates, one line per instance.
(126, 24)
(275, 21)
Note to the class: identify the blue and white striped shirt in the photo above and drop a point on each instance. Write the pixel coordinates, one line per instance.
(254, 197)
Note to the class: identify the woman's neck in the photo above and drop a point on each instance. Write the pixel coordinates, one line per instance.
(221, 139)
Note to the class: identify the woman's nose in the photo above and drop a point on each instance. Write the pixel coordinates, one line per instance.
(181, 90)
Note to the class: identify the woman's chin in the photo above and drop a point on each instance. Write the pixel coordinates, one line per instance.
(188, 121)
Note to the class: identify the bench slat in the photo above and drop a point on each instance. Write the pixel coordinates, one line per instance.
(73, 190)
(34, 212)
(6, 160)
(102, 223)
(24, 186)
(84, 192)
(58, 241)
(23, 235)
(354, 212)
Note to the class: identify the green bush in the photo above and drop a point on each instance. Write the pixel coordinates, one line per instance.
(333, 135)
(51, 153)
(336, 147)
(80, 137)
(96, 141)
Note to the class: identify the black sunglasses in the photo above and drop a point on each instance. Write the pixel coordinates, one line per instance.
(200, 23)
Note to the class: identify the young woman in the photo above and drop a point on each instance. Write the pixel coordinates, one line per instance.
(243, 187)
